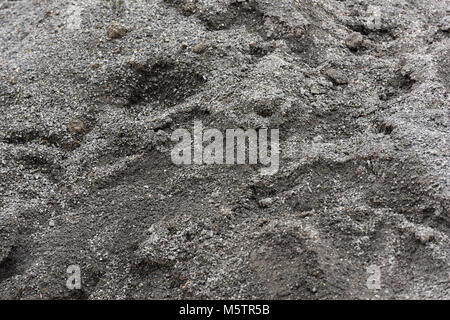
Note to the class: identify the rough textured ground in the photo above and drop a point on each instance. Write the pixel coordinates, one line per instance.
(90, 92)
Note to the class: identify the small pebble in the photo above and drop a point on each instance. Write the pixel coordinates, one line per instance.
(424, 236)
(354, 41)
(337, 76)
(200, 48)
(445, 24)
(76, 126)
(116, 30)
(318, 139)
(267, 202)
(95, 65)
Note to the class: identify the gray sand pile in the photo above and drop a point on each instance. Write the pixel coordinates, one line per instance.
(91, 91)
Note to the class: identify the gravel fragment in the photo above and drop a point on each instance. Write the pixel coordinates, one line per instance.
(354, 41)
(445, 24)
(337, 76)
(200, 48)
(116, 30)
(265, 203)
(76, 126)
